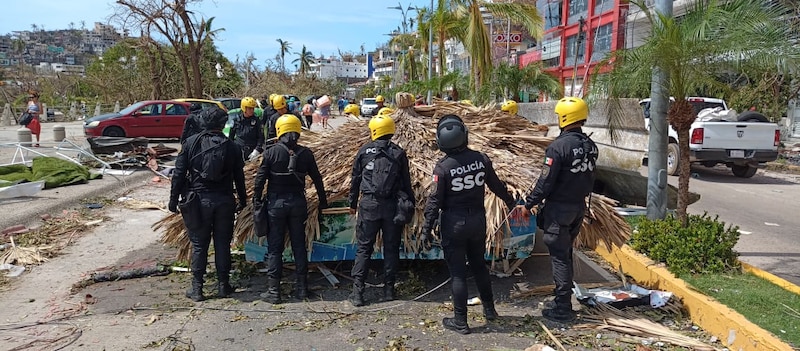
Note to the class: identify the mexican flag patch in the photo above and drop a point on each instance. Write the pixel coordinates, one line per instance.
(548, 161)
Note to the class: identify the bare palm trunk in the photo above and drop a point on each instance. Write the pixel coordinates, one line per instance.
(683, 176)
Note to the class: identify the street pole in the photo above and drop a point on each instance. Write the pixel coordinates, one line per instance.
(430, 55)
(657, 147)
(578, 42)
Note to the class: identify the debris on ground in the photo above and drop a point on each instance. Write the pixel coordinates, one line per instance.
(606, 317)
(624, 296)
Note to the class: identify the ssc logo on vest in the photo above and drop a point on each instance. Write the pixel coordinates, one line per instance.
(467, 182)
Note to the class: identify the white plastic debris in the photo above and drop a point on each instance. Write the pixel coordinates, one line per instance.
(13, 271)
(474, 301)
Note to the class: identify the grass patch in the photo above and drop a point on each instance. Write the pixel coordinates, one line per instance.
(758, 300)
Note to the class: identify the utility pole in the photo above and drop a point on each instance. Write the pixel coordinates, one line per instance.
(657, 147)
(430, 55)
(577, 51)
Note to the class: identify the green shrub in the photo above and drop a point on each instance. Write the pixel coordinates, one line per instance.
(704, 246)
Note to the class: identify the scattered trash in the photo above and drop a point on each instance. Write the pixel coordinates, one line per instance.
(15, 230)
(540, 347)
(124, 198)
(21, 190)
(94, 222)
(94, 206)
(13, 271)
(713, 339)
(89, 299)
(632, 295)
(474, 301)
(22, 255)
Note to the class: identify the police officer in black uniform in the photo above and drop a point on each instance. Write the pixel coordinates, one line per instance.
(217, 205)
(379, 100)
(285, 165)
(193, 123)
(459, 180)
(566, 179)
(279, 104)
(248, 131)
(380, 173)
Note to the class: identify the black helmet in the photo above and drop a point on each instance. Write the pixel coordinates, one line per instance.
(213, 118)
(451, 134)
(195, 106)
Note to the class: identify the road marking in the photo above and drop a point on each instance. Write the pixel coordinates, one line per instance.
(772, 224)
(745, 232)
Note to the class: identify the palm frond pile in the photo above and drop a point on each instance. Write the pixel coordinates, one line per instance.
(515, 146)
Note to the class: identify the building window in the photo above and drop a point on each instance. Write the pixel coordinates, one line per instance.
(602, 43)
(577, 9)
(571, 51)
(601, 6)
(551, 12)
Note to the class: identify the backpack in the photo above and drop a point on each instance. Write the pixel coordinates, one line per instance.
(212, 165)
(385, 172)
(292, 163)
(26, 119)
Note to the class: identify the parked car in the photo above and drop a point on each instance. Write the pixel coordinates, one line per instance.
(740, 144)
(367, 105)
(150, 119)
(204, 104)
(230, 103)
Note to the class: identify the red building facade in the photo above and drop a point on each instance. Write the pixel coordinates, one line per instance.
(578, 33)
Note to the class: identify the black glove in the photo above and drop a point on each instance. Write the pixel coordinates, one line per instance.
(242, 205)
(173, 205)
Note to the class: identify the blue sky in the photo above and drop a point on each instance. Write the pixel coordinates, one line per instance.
(250, 25)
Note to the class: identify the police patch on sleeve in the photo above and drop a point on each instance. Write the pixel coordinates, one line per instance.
(545, 171)
(434, 183)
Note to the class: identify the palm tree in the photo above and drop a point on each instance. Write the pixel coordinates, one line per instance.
(284, 47)
(712, 37)
(509, 79)
(476, 39)
(446, 25)
(410, 46)
(304, 60)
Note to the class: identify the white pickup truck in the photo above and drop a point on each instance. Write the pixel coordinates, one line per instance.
(741, 144)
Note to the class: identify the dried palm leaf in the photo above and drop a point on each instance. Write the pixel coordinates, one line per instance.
(515, 146)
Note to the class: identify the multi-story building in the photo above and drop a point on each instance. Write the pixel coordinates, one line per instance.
(333, 68)
(578, 35)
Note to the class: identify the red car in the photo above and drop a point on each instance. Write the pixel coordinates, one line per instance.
(150, 119)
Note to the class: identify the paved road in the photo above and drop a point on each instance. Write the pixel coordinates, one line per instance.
(766, 208)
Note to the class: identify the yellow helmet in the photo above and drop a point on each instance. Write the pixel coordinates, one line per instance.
(381, 125)
(248, 101)
(468, 102)
(278, 102)
(379, 98)
(272, 96)
(571, 110)
(510, 106)
(352, 109)
(287, 124)
(386, 111)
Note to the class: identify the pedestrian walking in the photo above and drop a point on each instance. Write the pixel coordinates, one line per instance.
(34, 107)
(308, 113)
(567, 178)
(341, 104)
(381, 176)
(206, 169)
(248, 130)
(283, 170)
(459, 180)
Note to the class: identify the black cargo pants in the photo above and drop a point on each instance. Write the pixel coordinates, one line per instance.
(286, 211)
(561, 225)
(217, 210)
(376, 215)
(463, 232)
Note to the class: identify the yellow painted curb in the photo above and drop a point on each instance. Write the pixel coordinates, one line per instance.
(774, 279)
(732, 329)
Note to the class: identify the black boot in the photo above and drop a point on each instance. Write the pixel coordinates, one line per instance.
(357, 296)
(273, 294)
(559, 314)
(389, 292)
(457, 324)
(224, 289)
(488, 310)
(196, 291)
(301, 290)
